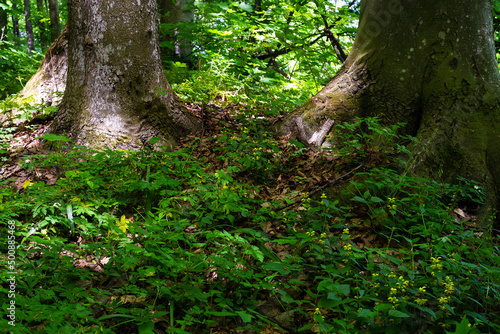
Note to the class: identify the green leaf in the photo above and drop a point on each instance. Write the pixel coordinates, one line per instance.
(255, 252)
(276, 266)
(382, 307)
(365, 313)
(53, 137)
(398, 314)
(375, 199)
(246, 7)
(245, 316)
(462, 327)
(146, 328)
(344, 289)
(359, 199)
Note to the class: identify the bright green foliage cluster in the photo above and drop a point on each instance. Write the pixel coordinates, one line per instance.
(196, 244)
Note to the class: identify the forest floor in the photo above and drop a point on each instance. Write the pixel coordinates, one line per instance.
(302, 256)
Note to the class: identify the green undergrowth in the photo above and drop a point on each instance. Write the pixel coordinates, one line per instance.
(177, 242)
(16, 66)
(215, 82)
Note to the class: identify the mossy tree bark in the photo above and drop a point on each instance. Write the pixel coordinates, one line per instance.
(116, 93)
(432, 65)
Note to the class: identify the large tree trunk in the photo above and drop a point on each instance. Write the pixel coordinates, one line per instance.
(29, 26)
(173, 12)
(116, 93)
(55, 26)
(432, 65)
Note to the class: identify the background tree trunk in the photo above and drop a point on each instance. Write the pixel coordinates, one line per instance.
(15, 24)
(116, 93)
(44, 41)
(29, 26)
(432, 65)
(55, 26)
(3, 20)
(173, 12)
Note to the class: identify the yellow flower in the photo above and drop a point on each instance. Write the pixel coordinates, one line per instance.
(27, 183)
(421, 301)
(346, 231)
(422, 289)
(323, 196)
(393, 300)
(444, 299)
(323, 235)
(123, 223)
(317, 311)
(347, 247)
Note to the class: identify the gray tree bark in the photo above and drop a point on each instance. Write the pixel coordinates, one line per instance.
(173, 12)
(29, 27)
(55, 25)
(116, 93)
(432, 65)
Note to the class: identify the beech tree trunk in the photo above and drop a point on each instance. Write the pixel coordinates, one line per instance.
(432, 65)
(55, 26)
(173, 12)
(29, 26)
(116, 93)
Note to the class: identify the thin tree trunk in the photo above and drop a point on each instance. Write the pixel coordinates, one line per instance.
(3, 21)
(15, 25)
(40, 24)
(29, 26)
(55, 26)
